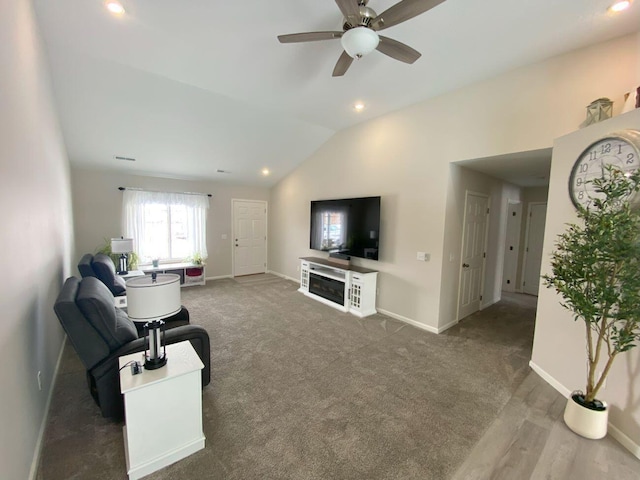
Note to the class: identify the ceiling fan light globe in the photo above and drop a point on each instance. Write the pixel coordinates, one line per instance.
(359, 41)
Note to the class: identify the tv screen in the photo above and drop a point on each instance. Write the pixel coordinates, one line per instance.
(349, 226)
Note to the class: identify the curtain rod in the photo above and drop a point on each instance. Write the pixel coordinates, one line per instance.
(160, 191)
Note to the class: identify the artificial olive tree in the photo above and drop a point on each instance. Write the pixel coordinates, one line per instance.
(596, 270)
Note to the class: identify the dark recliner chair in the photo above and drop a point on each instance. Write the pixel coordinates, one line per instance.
(84, 266)
(101, 266)
(100, 333)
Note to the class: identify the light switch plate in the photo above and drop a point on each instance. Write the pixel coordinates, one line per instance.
(423, 257)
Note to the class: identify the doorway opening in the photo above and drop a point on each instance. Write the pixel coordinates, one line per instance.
(516, 185)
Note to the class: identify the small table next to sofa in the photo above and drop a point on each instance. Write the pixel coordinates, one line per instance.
(163, 410)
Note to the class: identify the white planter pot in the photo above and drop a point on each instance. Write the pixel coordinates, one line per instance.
(584, 421)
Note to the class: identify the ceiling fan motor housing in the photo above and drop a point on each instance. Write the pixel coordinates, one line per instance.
(363, 19)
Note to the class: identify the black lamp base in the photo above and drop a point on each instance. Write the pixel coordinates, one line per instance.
(122, 265)
(156, 363)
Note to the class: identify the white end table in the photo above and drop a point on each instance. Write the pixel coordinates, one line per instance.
(163, 410)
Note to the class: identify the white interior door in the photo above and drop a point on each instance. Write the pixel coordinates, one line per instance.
(533, 250)
(511, 246)
(250, 237)
(474, 239)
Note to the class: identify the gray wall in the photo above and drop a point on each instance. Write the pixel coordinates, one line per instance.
(404, 157)
(97, 210)
(559, 343)
(35, 243)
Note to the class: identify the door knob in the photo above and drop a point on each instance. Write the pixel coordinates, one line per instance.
(465, 265)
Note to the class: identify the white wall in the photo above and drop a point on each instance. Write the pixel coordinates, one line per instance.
(405, 156)
(97, 210)
(35, 243)
(559, 343)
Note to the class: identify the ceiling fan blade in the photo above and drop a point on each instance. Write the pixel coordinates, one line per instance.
(348, 7)
(309, 37)
(402, 11)
(344, 62)
(397, 50)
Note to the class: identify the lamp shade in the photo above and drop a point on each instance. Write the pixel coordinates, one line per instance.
(359, 41)
(121, 245)
(152, 300)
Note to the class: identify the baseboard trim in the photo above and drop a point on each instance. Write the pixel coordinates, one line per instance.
(219, 277)
(38, 449)
(624, 440)
(487, 305)
(564, 391)
(447, 326)
(282, 275)
(614, 431)
(411, 322)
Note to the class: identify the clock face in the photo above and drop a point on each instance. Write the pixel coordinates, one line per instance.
(621, 150)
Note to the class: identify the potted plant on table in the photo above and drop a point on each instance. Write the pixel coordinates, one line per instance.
(196, 259)
(596, 270)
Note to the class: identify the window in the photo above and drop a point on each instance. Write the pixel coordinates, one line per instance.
(332, 230)
(166, 226)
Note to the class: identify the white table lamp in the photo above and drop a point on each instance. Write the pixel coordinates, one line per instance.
(123, 246)
(153, 300)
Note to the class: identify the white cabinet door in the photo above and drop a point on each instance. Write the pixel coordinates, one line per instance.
(304, 276)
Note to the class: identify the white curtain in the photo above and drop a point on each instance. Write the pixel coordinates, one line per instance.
(136, 224)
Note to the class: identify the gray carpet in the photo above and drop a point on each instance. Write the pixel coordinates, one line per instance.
(302, 391)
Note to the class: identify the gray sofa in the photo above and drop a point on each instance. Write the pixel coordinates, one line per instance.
(100, 333)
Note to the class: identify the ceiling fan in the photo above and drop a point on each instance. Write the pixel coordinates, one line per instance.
(359, 31)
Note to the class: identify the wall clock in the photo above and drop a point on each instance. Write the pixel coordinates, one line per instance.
(621, 149)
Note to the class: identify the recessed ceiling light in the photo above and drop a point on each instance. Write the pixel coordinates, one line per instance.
(114, 7)
(358, 107)
(620, 6)
(265, 171)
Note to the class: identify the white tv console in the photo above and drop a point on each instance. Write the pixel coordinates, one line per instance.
(346, 287)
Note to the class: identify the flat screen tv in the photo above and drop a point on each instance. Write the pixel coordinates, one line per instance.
(349, 226)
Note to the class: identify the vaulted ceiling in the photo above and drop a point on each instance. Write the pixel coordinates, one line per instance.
(189, 88)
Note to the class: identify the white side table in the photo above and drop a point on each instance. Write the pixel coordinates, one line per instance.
(163, 410)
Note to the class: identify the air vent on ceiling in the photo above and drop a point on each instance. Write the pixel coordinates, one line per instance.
(127, 159)
(223, 171)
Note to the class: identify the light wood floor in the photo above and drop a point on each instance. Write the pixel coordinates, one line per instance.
(529, 440)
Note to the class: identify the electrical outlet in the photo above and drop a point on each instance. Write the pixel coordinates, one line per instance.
(39, 380)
